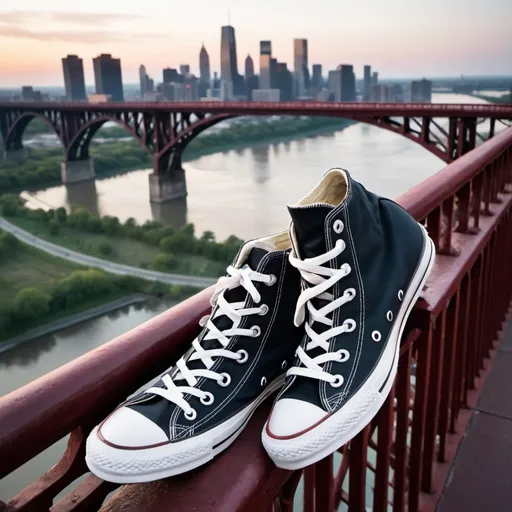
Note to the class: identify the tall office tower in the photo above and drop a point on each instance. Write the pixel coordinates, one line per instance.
(265, 65)
(143, 79)
(74, 81)
(171, 75)
(421, 91)
(107, 75)
(317, 80)
(204, 72)
(284, 82)
(375, 78)
(184, 69)
(367, 83)
(249, 67)
(228, 62)
(348, 83)
(300, 66)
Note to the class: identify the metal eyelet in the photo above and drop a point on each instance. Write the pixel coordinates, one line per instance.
(338, 381)
(244, 356)
(376, 336)
(263, 310)
(400, 295)
(191, 415)
(263, 382)
(207, 399)
(225, 381)
(284, 365)
(256, 331)
(350, 293)
(349, 325)
(338, 226)
(272, 281)
(389, 315)
(345, 355)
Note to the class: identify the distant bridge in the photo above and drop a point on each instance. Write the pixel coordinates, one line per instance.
(165, 129)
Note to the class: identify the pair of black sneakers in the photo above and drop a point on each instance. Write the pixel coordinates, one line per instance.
(317, 312)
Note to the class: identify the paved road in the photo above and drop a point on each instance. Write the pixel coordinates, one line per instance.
(108, 266)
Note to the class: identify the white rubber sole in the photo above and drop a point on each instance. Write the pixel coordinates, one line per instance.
(358, 412)
(146, 465)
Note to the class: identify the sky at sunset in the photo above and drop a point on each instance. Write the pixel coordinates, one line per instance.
(400, 38)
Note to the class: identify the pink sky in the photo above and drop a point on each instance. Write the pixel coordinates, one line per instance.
(400, 38)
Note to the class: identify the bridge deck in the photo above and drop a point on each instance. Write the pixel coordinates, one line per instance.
(481, 475)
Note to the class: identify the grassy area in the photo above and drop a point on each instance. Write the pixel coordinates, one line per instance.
(124, 250)
(37, 288)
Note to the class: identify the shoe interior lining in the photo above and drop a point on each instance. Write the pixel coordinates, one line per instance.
(279, 242)
(331, 190)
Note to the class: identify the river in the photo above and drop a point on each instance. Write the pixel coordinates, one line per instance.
(242, 192)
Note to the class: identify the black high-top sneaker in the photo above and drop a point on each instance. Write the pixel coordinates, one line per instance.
(363, 262)
(199, 407)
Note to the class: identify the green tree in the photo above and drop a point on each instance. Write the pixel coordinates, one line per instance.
(163, 261)
(53, 227)
(106, 249)
(30, 304)
(10, 204)
(110, 225)
(79, 218)
(61, 215)
(208, 236)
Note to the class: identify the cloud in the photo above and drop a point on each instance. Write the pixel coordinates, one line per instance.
(66, 17)
(18, 25)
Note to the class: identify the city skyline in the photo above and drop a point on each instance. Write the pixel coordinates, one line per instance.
(34, 40)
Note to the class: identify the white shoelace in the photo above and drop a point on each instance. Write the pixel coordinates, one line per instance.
(322, 278)
(235, 311)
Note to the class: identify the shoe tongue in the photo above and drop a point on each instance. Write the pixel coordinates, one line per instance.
(309, 227)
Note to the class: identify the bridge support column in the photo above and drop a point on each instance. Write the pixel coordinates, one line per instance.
(168, 186)
(16, 155)
(77, 170)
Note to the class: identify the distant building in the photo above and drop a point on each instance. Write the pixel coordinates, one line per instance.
(171, 75)
(29, 94)
(341, 84)
(421, 91)
(367, 83)
(375, 78)
(147, 84)
(266, 95)
(317, 82)
(74, 81)
(266, 78)
(108, 78)
(284, 82)
(99, 98)
(228, 61)
(300, 67)
(204, 72)
(251, 80)
(184, 69)
(249, 67)
(191, 88)
(382, 93)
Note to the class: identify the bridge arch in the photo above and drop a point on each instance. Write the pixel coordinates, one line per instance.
(14, 139)
(78, 147)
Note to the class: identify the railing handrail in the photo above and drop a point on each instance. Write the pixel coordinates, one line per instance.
(424, 197)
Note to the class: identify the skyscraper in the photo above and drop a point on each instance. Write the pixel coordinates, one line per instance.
(184, 69)
(375, 78)
(367, 83)
(300, 66)
(421, 91)
(228, 62)
(265, 65)
(284, 82)
(171, 75)
(316, 79)
(204, 66)
(342, 84)
(73, 69)
(107, 75)
(249, 67)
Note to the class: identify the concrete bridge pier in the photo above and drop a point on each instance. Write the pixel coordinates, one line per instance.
(77, 170)
(16, 155)
(168, 186)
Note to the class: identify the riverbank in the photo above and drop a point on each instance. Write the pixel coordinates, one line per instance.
(114, 158)
(70, 320)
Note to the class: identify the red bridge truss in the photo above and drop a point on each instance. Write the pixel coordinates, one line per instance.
(165, 129)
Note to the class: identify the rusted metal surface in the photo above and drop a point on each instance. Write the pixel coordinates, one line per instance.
(401, 460)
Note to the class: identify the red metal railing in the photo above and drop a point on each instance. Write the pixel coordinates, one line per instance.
(400, 460)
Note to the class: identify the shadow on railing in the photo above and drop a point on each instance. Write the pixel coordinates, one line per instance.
(400, 461)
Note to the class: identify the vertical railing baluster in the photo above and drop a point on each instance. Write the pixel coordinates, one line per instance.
(434, 390)
(477, 185)
(463, 208)
(447, 228)
(403, 404)
(424, 349)
(385, 420)
(434, 227)
(357, 478)
(324, 495)
(309, 488)
(447, 383)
